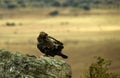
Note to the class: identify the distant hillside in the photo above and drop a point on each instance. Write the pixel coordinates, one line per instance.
(10, 4)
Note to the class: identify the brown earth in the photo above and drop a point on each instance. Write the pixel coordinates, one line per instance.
(84, 36)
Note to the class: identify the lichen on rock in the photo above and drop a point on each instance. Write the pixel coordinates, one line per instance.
(17, 65)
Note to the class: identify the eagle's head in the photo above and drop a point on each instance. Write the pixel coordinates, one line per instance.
(43, 35)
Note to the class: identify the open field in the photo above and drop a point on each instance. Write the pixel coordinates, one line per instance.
(84, 37)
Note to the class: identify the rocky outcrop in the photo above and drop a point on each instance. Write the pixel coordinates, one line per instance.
(16, 65)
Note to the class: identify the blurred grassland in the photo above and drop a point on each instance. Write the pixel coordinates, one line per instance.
(84, 34)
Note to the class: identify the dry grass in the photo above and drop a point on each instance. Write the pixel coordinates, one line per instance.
(84, 36)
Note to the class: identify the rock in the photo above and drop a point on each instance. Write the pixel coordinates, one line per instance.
(16, 65)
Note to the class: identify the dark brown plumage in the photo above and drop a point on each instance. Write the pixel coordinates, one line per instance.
(49, 45)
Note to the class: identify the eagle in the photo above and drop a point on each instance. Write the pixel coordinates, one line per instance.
(49, 45)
